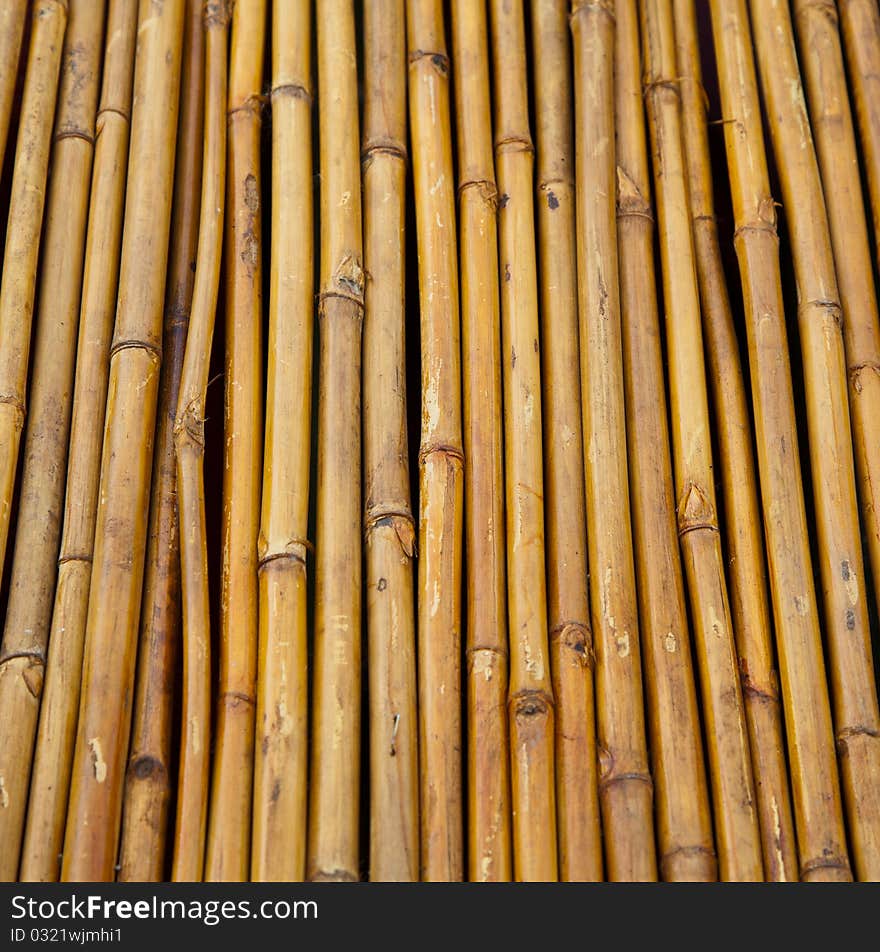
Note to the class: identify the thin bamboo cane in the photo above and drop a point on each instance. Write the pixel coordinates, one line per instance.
(441, 475)
(681, 794)
(625, 786)
(229, 823)
(95, 806)
(335, 771)
(854, 690)
(749, 601)
(572, 659)
(26, 203)
(388, 523)
(12, 19)
(31, 587)
(820, 319)
(189, 443)
(149, 782)
(489, 849)
(816, 795)
(530, 694)
(737, 833)
(279, 810)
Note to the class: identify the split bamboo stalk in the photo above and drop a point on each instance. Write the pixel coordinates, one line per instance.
(389, 527)
(816, 796)
(625, 786)
(12, 19)
(189, 443)
(95, 806)
(229, 822)
(530, 693)
(749, 600)
(737, 833)
(681, 793)
(31, 586)
(489, 847)
(335, 770)
(572, 660)
(441, 475)
(150, 781)
(26, 204)
(278, 850)
(820, 320)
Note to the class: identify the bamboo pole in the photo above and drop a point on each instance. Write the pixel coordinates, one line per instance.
(530, 693)
(150, 781)
(681, 794)
(441, 474)
(26, 205)
(625, 785)
(101, 748)
(12, 20)
(572, 659)
(335, 771)
(189, 443)
(749, 600)
(816, 796)
(737, 833)
(229, 822)
(820, 320)
(388, 523)
(31, 586)
(279, 813)
(488, 795)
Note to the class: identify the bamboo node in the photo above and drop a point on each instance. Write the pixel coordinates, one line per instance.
(73, 132)
(823, 305)
(660, 84)
(529, 703)
(828, 860)
(856, 371)
(695, 510)
(678, 852)
(846, 734)
(295, 549)
(233, 700)
(215, 14)
(765, 219)
(190, 425)
(32, 671)
(401, 520)
(514, 144)
(575, 637)
(607, 777)
(768, 694)
(382, 146)
(592, 6)
(631, 202)
(333, 876)
(440, 61)
(486, 189)
(17, 404)
(151, 349)
(85, 558)
(826, 8)
(251, 105)
(452, 453)
(292, 91)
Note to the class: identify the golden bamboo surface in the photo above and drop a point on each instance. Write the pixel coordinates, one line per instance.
(12, 22)
(815, 789)
(681, 794)
(389, 528)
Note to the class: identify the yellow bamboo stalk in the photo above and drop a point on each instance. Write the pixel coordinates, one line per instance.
(26, 204)
(388, 523)
(278, 848)
(229, 822)
(12, 19)
(820, 319)
(530, 694)
(737, 833)
(335, 770)
(189, 443)
(150, 780)
(684, 824)
(816, 795)
(625, 786)
(572, 659)
(93, 817)
(441, 475)
(749, 600)
(489, 848)
(31, 586)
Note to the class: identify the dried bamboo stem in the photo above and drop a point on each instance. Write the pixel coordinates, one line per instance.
(229, 822)
(278, 847)
(12, 19)
(684, 824)
(737, 833)
(335, 772)
(820, 319)
(749, 600)
(31, 587)
(441, 475)
(189, 444)
(625, 785)
(530, 694)
(388, 523)
(818, 813)
(95, 806)
(150, 781)
(568, 613)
